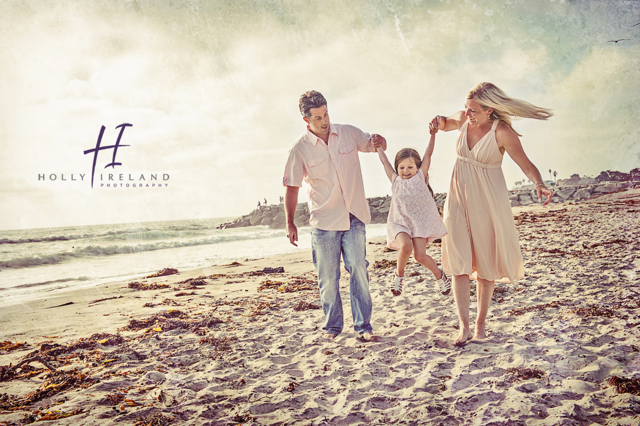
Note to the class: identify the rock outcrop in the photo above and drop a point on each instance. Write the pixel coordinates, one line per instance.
(273, 215)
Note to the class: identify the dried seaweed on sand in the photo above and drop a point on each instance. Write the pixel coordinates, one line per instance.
(624, 385)
(222, 344)
(163, 272)
(296, 283)
(155, 419)
(554, 304)
(9, 346)
(143, 286)
(303, 306)
(384, 264)
(171, 320)
(54, 383)
(594, 311)
(521, 373)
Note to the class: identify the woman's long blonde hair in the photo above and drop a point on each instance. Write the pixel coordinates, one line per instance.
(488, 95)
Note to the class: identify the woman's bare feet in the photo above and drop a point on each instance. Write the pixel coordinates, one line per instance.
(480, 333)
(463, 337)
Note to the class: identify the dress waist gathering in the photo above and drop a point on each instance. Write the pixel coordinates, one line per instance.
(479, 164)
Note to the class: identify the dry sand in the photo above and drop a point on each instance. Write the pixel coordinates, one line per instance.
(228, 352)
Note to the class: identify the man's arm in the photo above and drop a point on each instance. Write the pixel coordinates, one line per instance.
(290, 204)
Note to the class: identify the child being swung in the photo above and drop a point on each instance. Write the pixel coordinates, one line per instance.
(413, 220)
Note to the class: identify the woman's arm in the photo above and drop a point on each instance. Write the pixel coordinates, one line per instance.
(388, 168)
(453, 122)
(508, 140)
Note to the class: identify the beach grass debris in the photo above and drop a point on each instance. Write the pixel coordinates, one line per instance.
(522, 373)
(269, 284)
(155, 419)
(385, 264)
(54, 383)
(8, 346)
(106, 298)
(163, 272)
(51, 415)
(222, 344)
(136, 285)
(594, 311)
(303, 306)
(165, 302)
(242, 418)
(292, 387)
(170, 320)
(624, 385)
(555, 304)
(184, 293)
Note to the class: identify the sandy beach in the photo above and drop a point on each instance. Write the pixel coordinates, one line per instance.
(232, 344)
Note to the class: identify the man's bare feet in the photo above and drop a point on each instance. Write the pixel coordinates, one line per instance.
(463, 337)
(367, 337)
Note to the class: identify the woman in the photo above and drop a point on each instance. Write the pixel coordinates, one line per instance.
(482, 235)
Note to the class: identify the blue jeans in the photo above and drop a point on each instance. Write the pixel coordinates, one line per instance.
(327, 247)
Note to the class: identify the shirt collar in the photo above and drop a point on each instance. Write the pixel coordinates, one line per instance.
(311, 137)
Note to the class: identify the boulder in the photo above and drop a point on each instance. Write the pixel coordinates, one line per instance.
(525, 200)
(515, 203)
(279, 221)
(581, 194)
(566, 192)
(255, 219)
(605, 189)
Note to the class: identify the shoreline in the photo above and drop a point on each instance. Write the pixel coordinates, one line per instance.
(228, 345)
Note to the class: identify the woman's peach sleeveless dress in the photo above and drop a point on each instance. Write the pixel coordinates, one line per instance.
(482, 236)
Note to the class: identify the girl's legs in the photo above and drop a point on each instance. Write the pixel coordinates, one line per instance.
(403, 240)
(485, 291)
(461, 294)
(421, 256)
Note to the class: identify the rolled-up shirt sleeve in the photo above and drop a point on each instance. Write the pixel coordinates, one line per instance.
(293, 170)
(363, 140)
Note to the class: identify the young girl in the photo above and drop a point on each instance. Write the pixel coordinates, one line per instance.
(413, 219)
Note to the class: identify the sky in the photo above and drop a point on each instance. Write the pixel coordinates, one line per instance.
(211, 91)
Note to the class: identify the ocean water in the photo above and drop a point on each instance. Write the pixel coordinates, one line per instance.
(36, 262)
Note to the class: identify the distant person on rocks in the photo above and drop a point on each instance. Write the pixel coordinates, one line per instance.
(414, 220)
(482, 237)
(326, 158)
(258, 204)
(265, 201)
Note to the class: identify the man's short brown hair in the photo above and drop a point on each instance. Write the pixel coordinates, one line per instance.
(311, 99)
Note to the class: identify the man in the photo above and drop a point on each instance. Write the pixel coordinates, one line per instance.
(326, 157)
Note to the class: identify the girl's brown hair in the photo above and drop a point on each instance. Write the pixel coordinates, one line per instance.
(405, 153)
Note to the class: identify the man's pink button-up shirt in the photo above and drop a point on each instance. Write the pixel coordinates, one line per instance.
(333, 175)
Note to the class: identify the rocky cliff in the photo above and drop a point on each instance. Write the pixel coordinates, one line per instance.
(273, 215)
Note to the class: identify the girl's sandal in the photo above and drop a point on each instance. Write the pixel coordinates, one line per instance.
(396, 287)
(445, 283)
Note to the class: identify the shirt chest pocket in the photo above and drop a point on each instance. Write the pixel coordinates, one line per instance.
(348, 155)
(317, 167)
